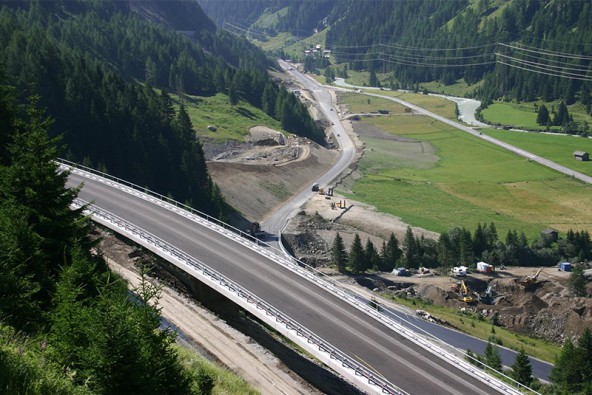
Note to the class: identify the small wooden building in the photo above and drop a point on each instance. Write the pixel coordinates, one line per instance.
(552, 233)
(581, 155)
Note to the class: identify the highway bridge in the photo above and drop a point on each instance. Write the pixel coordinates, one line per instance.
(372, 351)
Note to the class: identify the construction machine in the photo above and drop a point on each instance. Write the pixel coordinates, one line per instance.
(255, 230)
(487, 297)
(530, 280)
(465, 294)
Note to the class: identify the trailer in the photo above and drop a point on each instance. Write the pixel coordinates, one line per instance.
(483, 267)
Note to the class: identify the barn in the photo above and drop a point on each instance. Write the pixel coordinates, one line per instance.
(582, 156)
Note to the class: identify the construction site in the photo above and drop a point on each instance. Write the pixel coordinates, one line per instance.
(527, 300)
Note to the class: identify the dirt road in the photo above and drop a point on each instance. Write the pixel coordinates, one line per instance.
(202, 328)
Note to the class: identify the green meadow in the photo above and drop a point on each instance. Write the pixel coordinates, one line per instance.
(558, 148)
(437, 177)
(523, 115)
(231, 122)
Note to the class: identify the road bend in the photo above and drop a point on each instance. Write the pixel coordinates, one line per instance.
(399, 360)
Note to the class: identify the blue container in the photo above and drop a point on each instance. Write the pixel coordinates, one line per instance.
(565, 266)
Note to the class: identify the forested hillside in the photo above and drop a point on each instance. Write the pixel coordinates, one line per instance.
(92, 339)
(522, 50)
(95, 66)
(67, 323)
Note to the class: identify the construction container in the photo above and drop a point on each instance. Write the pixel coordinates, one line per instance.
(565, 267)
(484, 267)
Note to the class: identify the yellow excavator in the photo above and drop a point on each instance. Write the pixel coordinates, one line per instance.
(465, 295)
(530, 280)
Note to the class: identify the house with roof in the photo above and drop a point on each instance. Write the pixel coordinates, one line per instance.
(582, 156)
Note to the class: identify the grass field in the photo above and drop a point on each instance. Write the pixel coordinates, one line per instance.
(232, 122)
(523, 115)
(459, 89)
(441, 178)
(438, 105)
(558, 148)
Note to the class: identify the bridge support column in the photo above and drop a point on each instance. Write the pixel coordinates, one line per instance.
(213, 300)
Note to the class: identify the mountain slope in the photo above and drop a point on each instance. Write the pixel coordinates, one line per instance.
(521, 49)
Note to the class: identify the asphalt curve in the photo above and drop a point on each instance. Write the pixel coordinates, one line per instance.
(399, 360)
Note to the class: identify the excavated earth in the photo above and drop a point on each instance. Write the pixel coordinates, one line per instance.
(545, 311)
(256, 175)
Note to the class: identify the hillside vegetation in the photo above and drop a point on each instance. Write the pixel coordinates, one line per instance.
(67, 323)
(94, 65)
(511, 50)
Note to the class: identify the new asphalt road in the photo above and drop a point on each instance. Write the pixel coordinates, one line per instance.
(396, 358)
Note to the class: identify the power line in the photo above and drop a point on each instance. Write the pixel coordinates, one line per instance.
(541, 52)
(563, 69)
(541, 72)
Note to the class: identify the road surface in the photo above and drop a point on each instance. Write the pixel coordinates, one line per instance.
(397, 359)
(277, 220)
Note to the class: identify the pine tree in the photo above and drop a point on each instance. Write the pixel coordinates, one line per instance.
(562, 116)
(372, 256)
(356, 260)
(492, 357)
(585, 359)
(522, 369)
(566, 374)
(31, 181)
(479, 241)
(412, 258)
(577, 281)
(339, 254)
(391, 253)
(543, 115)
(21, 263)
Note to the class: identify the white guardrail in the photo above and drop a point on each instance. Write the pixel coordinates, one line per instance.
(296, 332)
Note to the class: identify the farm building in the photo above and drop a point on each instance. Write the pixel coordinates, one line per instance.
(552, 233)
(581, 155)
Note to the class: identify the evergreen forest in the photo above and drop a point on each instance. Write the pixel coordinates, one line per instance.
(67, 323)
(522, 50)
(106, 74)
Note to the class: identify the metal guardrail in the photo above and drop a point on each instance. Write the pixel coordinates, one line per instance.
(421, 337)
(245, 295)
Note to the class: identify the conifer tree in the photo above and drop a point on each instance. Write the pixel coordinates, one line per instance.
(410, 244)
(356, 258)
(372, 256)
(543, 115)
(585, 359)
(562, 116)
(492, 357)
(566, 373)
(339, 254)
(577, 281)
(32, 182)
(522, 368)
(391, 253)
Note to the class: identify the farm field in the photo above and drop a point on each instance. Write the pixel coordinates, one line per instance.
(558, 148)
(437, 177)
(438, 105)
(523, 115)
